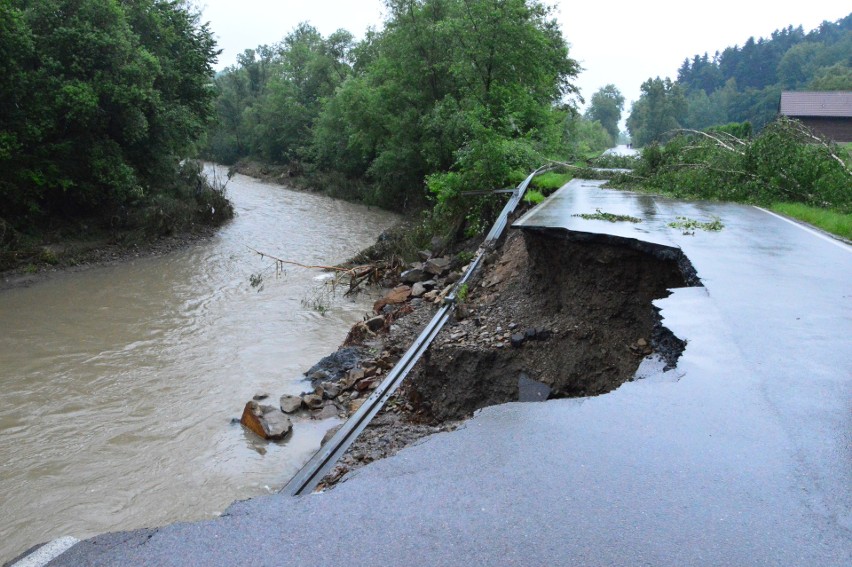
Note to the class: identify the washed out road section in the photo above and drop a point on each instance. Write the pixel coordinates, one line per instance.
(738, 456)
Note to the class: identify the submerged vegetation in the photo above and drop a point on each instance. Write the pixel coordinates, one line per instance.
(609, 217)
(688, 225)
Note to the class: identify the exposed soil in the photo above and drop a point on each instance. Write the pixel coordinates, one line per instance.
(551, 314)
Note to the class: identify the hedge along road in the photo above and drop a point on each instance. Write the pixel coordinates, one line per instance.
(119, 382)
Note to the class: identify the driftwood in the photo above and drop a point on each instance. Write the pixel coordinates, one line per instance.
(357, 274)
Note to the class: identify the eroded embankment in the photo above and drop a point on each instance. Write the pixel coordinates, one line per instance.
(551, 314)
(578, 316)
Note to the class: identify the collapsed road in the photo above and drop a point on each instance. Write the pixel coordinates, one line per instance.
(738, 455)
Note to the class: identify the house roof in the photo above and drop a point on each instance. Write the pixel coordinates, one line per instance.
(830, 103)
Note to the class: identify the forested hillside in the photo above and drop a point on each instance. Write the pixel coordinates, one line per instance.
(744, 83)
(100, 101)
(449, 94)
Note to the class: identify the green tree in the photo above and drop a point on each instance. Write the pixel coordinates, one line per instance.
(114, 95)
(799, 64)
(742, 83)
(837, 77)
(661, 108)
(606, 107)
(461, 86)
(705, 111)
(586, 138)
(269, 101)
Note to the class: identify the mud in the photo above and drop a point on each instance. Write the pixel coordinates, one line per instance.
(566, 314)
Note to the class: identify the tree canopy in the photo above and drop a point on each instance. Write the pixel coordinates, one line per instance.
(744, 83)
(660, 109)
(100, 101)
(453, 91)
(605, 107)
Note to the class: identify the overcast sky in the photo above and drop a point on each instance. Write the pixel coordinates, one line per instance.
(617, 41)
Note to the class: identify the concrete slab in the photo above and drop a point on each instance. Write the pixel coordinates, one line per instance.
(742, 455)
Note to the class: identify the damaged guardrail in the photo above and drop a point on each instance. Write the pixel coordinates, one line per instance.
(309, 476)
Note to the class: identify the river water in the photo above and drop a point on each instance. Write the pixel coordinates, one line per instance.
(119, 383)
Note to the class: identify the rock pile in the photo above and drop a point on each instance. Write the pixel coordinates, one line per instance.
(341, 383)
(343, 380)
(266, 421)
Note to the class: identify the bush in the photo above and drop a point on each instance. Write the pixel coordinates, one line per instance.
(191, 200)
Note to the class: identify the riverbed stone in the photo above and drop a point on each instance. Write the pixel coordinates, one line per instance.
(376, 323)
(336, 365)
(327, 411)
(290, 404)
(399, 294)
(312, 401)
(453, 277)
(431, 295)
(329, 434)
(331, 390)
(437, 266)
(418, 289)
(354, 375)
(266, 421)
(414, 275)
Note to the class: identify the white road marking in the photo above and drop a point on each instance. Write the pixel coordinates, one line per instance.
(803, 227)
(47, 552)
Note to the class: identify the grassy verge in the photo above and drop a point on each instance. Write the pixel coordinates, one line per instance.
(828, 220)
(549, 182)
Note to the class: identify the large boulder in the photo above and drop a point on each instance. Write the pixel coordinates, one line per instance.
(414, 275)
(437, 266)
(266, 421)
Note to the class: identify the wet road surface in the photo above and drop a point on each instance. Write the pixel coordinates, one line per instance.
(742, 455)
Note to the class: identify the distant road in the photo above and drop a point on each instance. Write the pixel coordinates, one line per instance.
(622, 150)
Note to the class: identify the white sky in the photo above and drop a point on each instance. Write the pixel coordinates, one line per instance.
(623, 42)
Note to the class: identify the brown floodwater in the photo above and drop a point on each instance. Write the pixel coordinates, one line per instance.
(119, 383)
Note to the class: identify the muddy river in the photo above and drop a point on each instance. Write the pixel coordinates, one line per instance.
(119, 383)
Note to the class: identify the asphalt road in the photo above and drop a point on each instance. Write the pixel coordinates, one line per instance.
(742, 455)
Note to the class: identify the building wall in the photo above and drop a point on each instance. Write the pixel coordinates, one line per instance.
(837, 129)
